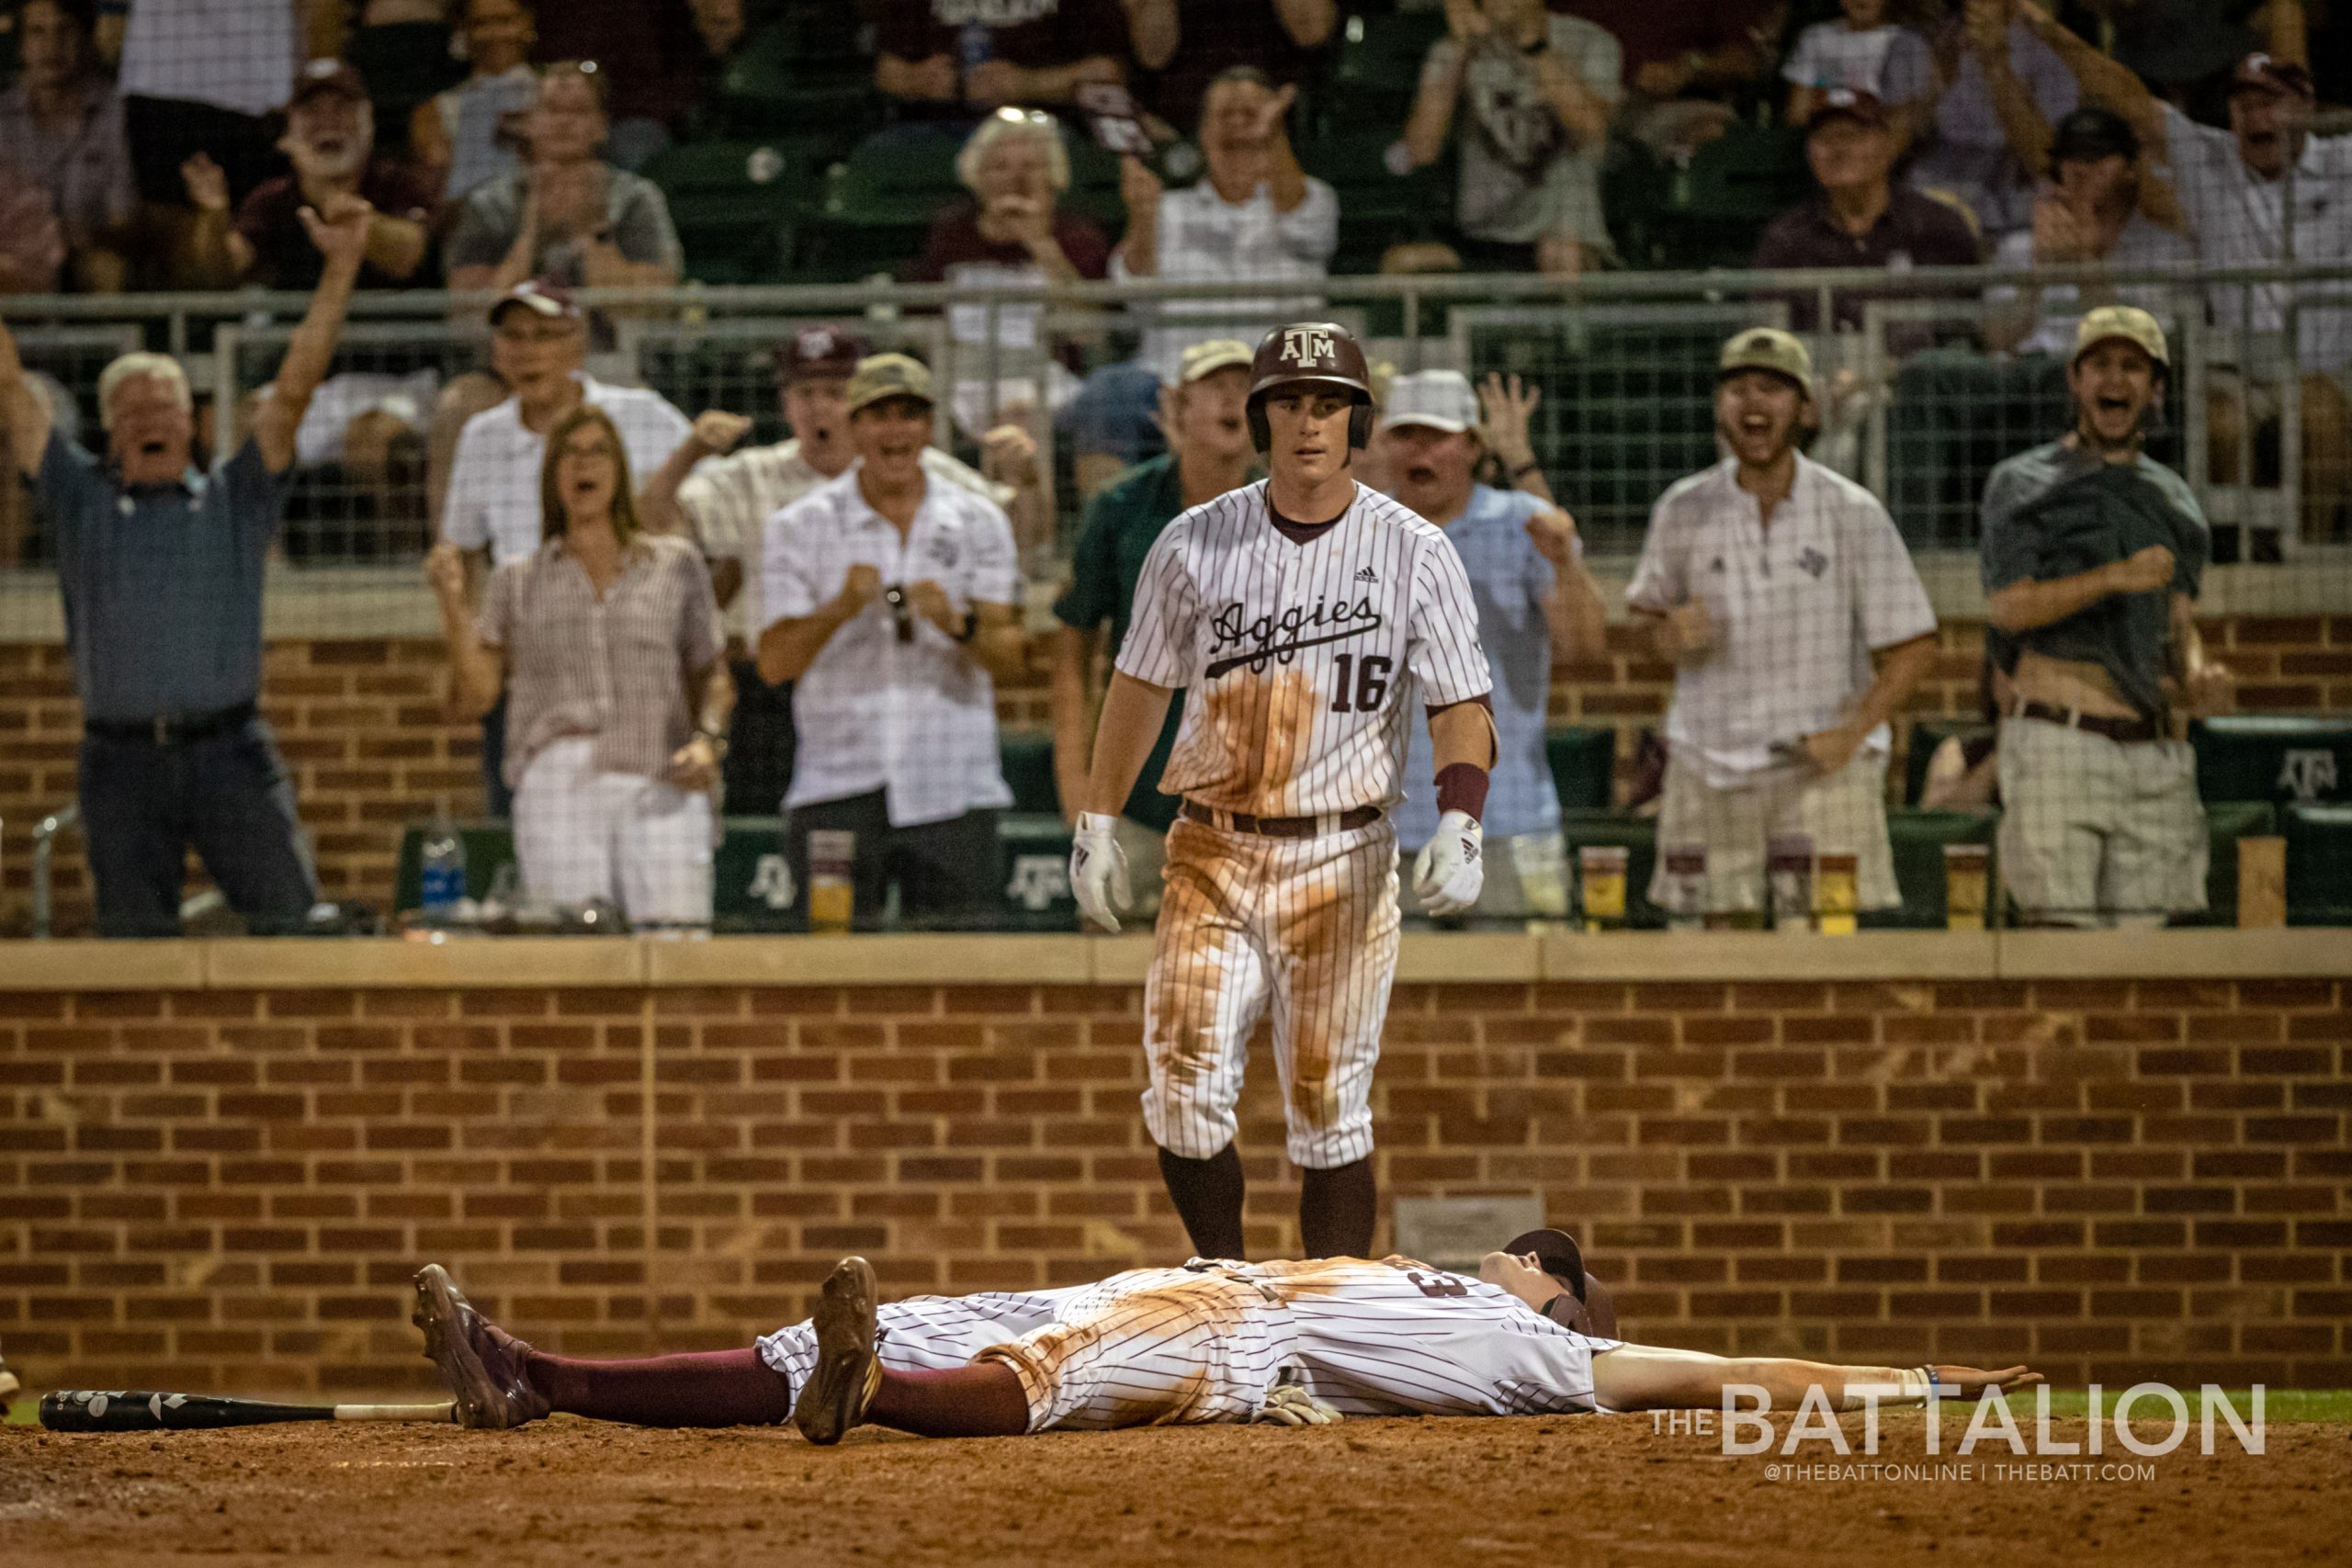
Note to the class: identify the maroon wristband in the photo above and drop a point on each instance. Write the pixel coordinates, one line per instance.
(1462, 786)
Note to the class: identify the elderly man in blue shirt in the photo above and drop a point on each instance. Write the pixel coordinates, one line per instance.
(1537, 607)
(161, 565)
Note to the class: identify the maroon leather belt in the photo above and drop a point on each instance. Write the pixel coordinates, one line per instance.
(1346, 822)
(2125, 731)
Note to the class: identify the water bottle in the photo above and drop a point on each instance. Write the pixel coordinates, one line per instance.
(442, 882)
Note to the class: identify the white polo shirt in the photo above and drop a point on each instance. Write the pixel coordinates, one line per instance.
(1798, 609)
(2239, 219)
(727, 500)
(1203, 238)
(915, 719)
(494, 480)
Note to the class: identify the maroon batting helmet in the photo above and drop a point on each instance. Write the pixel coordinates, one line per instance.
(1322, 352)
(1589, 1309)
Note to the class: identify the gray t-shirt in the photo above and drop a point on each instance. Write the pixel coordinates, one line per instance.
(163, 583)
(2059, 511)
(1522, 176)
(634, 210)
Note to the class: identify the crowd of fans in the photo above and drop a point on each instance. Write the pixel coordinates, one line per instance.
(637, 610)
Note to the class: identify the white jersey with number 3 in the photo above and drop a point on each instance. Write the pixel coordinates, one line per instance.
(1296, 654)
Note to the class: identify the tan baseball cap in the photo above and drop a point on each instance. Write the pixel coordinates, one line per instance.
(1208, 358)
(2126, 321)
(1442, 399)
(888, 376)
(1768, 349)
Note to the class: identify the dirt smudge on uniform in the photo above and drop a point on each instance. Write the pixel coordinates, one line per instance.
(1264, 727)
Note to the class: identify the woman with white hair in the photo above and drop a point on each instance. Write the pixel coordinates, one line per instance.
(606, 645)
(1009, 234)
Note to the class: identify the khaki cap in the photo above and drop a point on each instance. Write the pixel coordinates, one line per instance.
(1768, 349)
(888, 376)
(1208, 358)
(2126, 321)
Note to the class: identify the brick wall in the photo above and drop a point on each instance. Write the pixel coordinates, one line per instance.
(2109, 1179)
(365, 726)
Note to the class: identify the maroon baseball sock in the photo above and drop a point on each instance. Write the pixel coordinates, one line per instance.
(1337, 1209)
(983, 1399)
(1208, 1194)
(712, 1388)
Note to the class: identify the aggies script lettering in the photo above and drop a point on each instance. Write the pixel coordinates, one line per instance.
(1258, 638)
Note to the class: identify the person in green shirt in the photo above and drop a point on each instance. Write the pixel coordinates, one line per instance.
(1209, 453)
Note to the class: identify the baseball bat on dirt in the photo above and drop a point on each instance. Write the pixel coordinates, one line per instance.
(95, 1410)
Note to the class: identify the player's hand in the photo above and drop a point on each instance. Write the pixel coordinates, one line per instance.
(860, 587)
(1290, 1406)
(717, 431)
(1098, 870)
(207, 183)
(1554, 534)
(1450, 870)
(1971, 1383)
(1828, 750)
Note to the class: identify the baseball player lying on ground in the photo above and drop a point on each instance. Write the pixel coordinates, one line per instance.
(1300, 1344)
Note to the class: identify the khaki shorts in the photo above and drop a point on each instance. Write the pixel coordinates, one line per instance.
(2098, 832)
(1844, 814)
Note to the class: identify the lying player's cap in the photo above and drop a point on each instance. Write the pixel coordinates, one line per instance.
(2090, 134)
(1441, 399)
(1768, 349)
(327, 76)
(541, 297)
(2128, 322)
(1595, 1310)
(889, 376)
(1208, 358)
(2260, 73)
(1850, 103)
(821, 353)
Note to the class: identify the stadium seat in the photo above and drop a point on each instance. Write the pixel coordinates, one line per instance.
(1706, 214)
(733, 203)
(800, 73)
(2282, 757)
(2319, 865)
(1638, 837)
(1376, 71)
(1918, 840)
(1583, 759)
(876, 203)
(1028, 759)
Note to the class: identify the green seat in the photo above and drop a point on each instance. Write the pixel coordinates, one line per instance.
(1584, 765)
(717, 372)
(1916, 839)
(1926, 735)
(1376, 70)
(1706, 214)
(2284, 758)
(2319, 865)
(798, 73)
(875, 204)
(1027, 756)
(489, 845)
(733, 203)
(1036, 872)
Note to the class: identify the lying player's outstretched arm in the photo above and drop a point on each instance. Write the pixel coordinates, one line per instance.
(1650, 1377)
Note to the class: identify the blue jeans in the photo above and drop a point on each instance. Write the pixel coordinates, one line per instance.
(228, 795)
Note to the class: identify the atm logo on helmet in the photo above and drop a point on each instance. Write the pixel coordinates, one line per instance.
(1308, 346)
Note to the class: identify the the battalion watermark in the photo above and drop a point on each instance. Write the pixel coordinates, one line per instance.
(2145, 1421)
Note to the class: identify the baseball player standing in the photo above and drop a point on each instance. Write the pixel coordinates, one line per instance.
(1293, 610)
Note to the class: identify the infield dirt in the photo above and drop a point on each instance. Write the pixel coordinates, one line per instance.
(1382, 1494)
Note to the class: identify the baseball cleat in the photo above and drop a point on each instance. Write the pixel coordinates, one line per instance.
(481, 1362)
(835, 1397)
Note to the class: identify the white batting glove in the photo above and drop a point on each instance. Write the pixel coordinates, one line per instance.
(1290, 1406)
(1450, 871)
(1098, 870)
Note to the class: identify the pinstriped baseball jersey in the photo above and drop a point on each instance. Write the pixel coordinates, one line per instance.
(1294, 653)
(1207, 1342)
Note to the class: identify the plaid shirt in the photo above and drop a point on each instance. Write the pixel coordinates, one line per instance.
(616, 668)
